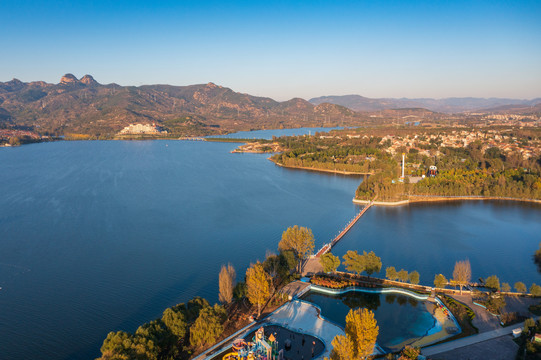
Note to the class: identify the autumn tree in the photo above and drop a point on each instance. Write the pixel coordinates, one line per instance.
(353, 262)
(342, 348)
(520, 287)
(372, 263)
(257, 286)
(390, 273)
(300, 240)
(409, 353)
(462, 273)
(440, 281)
(226, 282)
(506, 287)
(413, 277)
(329, 262)
(492, 282)
(362, 329)
(402, 275)
(361, 334)
(535, 290)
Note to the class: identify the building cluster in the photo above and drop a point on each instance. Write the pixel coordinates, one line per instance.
(139, 129)
(459, 139)
(6, 134)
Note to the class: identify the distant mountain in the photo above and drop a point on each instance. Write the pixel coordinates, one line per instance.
(88, 107)
(447, 105)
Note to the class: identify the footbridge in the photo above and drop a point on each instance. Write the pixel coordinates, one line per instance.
(327, 247)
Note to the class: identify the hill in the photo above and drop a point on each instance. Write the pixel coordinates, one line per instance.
(446, 105)
(84, 106)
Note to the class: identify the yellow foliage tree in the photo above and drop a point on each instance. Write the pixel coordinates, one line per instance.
(257, 285)
(226, 281)
(298, 239)
(462, 273)
(342, 349)
(362, 329)
(361, 334)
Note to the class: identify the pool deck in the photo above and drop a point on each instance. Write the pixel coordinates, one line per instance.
(304, 318)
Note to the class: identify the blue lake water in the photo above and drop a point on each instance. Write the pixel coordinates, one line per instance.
(400, 318)
(101, 236)
(268, 134)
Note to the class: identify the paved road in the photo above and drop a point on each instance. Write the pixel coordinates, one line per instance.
(470, 340)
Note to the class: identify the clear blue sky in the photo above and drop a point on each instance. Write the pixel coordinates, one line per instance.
(282, 49)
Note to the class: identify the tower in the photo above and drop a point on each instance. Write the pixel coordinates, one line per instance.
(403, 164)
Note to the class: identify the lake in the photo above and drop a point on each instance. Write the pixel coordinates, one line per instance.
(100, 236)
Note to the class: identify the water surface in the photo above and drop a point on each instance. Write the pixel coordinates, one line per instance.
(400, 318)
(99, 236)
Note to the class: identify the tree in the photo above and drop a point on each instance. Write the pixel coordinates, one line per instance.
(207, 328)
(440, 281)
(506, 287)
(372, 263)
(520, 287)
(175, 320)
(121, 345)
(226, 282)
(239, 291)
(414, 277)
(402, 275)
(492, 282)
(354, 262)
(329, 262)
(342, 348)
(390, 273)
(535, 290)
(158, 333)
(462, 273)
(298, 239)
(409, 353)
(257, 286)
(362, 329)
(194, 306)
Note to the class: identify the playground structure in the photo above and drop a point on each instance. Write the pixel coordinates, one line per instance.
(260, 348)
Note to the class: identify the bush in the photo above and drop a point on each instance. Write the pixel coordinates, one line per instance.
(333, 283)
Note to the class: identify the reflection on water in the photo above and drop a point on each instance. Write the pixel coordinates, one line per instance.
(400, 318)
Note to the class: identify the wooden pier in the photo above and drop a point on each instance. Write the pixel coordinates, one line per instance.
(327, 247)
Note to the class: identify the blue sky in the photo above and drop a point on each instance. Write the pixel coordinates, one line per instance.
(282, 49)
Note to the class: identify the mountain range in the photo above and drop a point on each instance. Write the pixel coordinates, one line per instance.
(84, 106)
(445, 105)
(87, 107)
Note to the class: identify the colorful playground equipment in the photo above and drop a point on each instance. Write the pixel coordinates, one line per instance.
(260, 348)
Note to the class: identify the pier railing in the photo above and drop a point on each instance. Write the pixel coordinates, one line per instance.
(327, 247)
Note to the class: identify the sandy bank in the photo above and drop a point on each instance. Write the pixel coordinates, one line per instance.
(442, 199)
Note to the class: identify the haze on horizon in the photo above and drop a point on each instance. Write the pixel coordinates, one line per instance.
(282, 49)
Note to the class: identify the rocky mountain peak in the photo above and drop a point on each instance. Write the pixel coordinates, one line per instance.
(68, 79)
(88, 80)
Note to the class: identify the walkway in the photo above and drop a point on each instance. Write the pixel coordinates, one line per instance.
(502, 348)
(327, 247)
(295, 289)
(470, 340)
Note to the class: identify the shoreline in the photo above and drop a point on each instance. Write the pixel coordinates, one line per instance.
(442, 199)
(341, 172)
